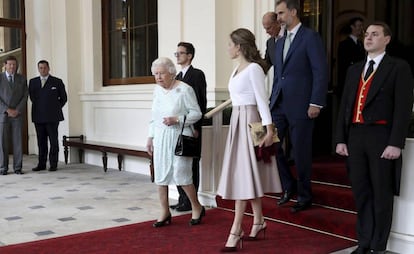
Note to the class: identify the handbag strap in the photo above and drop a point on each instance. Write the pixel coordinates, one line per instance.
(182, 129)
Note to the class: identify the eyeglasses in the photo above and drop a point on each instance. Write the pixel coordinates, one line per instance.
(176, 54)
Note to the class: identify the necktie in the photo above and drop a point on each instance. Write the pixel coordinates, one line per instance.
(11, 79)
(179, 76)
(43, 81)
(369, 70)
(286, 47)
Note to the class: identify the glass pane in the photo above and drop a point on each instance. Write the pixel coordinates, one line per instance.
(311, 17)
(10, 43)
(138, 13)
(118, 15)
(138, 49)
(118, 55)
(10, 9)
(152, 46)
(152, 11)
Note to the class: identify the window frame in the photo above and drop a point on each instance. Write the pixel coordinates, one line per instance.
(107, 81)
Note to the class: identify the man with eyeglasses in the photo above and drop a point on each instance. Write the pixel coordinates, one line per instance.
(197, 80)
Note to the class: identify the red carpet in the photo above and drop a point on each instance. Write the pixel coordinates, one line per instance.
(181, 238)
(333, 211)
(318, 218)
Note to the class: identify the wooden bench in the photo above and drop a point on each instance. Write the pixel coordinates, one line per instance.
(82, 144)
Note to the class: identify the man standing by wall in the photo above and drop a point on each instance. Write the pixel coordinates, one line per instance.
(298, 94)
(371, 131)
(13, 99)
(48, 96)
(272, 27)
(350, 50)
(196, 79)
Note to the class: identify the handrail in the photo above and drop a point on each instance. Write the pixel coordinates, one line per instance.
(217, 109)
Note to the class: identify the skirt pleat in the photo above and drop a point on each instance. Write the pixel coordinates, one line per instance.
(242, 176)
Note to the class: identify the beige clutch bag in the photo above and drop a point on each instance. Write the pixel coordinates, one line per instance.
(258, 132)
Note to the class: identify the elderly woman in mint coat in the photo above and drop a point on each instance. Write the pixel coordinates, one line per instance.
(173, 100)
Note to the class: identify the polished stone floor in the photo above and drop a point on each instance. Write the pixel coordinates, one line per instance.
(76, 198)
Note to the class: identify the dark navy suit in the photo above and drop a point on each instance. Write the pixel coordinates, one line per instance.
(47, 103)
(300, 80)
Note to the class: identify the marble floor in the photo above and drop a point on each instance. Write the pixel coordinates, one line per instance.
(76, 198)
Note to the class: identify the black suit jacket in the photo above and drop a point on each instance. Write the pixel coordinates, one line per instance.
(389, 98)
(270, 55)
(197, 80)
(349, 53)
(47, 102)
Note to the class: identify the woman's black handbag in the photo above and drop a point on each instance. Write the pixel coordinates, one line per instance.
(186, 145)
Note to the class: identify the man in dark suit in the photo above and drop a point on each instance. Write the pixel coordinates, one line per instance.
(197, 80)
(13, 99)
(48, 96)
(371, 131)
(298, 95)
(272, 27)
(350, 51)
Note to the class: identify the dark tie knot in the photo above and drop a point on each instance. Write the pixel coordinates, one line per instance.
(369, 70)
(179, 76)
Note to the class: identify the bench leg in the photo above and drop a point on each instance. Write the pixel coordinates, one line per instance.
(66, 152)
(120, 159)
(105, 160)
(80, 154)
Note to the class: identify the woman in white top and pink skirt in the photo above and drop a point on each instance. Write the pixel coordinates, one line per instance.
(243, 178)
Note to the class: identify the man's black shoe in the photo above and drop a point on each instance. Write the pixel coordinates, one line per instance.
(378, 252)
(183, 208)
(18, 172)
(38, 168)
(287, 195)
(3, 172)
(360, 250)
(52, 168)
(300, 206)
(175, 206)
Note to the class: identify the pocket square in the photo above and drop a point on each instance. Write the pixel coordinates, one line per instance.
(53, 88)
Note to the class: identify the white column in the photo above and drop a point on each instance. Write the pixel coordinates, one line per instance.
(402, 232)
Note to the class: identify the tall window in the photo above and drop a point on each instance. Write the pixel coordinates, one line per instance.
(12, 31)
(130, 41)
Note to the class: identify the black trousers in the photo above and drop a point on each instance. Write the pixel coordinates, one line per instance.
(183, 199)
(372, 184)
(45, 131)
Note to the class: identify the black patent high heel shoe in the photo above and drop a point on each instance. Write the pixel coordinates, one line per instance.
(198, 220)
(162, 223)
(262, 228)
(239, 239)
